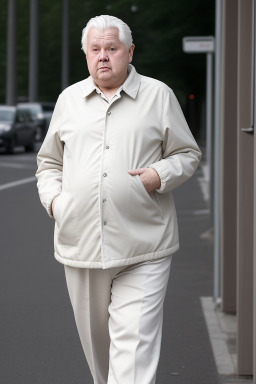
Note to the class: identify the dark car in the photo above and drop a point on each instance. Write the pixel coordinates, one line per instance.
(17, 128)
(48, 109)
(42, 113)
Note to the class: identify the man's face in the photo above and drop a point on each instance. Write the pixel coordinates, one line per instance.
(107, 57)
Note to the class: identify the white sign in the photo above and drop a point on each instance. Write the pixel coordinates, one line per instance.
(198, 44)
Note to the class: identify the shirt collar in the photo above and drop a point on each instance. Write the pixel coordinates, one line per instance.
(130, 86)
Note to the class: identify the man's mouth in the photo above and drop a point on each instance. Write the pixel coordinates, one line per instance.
(104, 68)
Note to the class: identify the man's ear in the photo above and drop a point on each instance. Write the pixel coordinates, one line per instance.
(131, 50)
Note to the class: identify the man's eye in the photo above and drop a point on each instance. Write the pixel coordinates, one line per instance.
(112, 49)
(95, 49)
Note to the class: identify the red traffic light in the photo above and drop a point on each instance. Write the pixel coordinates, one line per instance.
(191, 96)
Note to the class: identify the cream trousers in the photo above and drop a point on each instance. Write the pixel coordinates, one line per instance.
(119, 315)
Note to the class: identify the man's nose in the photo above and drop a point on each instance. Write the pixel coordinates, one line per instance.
(103, 55)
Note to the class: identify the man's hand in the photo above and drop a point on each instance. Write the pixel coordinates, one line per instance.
(149, 178)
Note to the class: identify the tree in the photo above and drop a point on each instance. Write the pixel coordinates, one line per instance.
(157, 26)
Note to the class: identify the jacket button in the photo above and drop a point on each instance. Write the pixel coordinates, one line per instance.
(109, 113)
(104, 174)
(107, 146)
(104, 200)
(105, 223)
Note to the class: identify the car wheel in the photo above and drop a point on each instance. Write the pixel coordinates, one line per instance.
(30, 147)
(11, 145)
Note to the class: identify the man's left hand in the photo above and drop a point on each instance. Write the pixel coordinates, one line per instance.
(149, 178)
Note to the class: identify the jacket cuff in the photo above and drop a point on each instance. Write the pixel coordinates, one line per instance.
(49, 205)
(160, 169)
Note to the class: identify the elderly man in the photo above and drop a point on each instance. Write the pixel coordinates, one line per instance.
(117, 145)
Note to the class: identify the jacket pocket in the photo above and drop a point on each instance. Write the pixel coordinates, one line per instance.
(152, 196)
(144, 206)
(65, 214)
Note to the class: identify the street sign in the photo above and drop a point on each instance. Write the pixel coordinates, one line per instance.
(198, 44)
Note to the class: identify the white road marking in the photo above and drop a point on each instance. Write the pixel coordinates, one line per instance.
(17, 183)
(201, 212)
(15, 165)
(26, 158)
(195, 212)
(204, 182)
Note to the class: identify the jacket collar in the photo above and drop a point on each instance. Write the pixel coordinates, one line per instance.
(130, 86)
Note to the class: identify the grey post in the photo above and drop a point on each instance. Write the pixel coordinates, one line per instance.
(254, 237)
(11, 80)
(204, 44)
(33, 51)
(245, 191)
(217, 138)
(209, 121)
(209, 77)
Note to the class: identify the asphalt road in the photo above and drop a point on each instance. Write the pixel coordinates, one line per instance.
(38, 338)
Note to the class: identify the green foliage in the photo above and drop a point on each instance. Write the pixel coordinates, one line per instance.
(157, 26)
(50, 40)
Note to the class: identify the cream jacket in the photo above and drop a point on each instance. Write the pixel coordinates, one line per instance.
(103, 216)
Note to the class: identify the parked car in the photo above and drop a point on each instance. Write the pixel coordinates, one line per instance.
(17, 128)
(48, 109)
(42, 113)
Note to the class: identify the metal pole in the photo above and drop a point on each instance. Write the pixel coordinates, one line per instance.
(33, 51)
(217, 142)
(11, 83)
(65, 44)
(209, 81)
(254, 224)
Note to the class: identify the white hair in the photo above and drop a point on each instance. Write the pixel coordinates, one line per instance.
(105, 22)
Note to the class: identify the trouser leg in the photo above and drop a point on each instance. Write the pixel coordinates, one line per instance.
(135, 323)
(89, 291)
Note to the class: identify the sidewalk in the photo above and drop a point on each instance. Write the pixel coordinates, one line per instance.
(210, 333)
(222, 332)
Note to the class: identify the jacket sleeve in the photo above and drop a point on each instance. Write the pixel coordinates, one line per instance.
(181, 154)
(50, 161)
